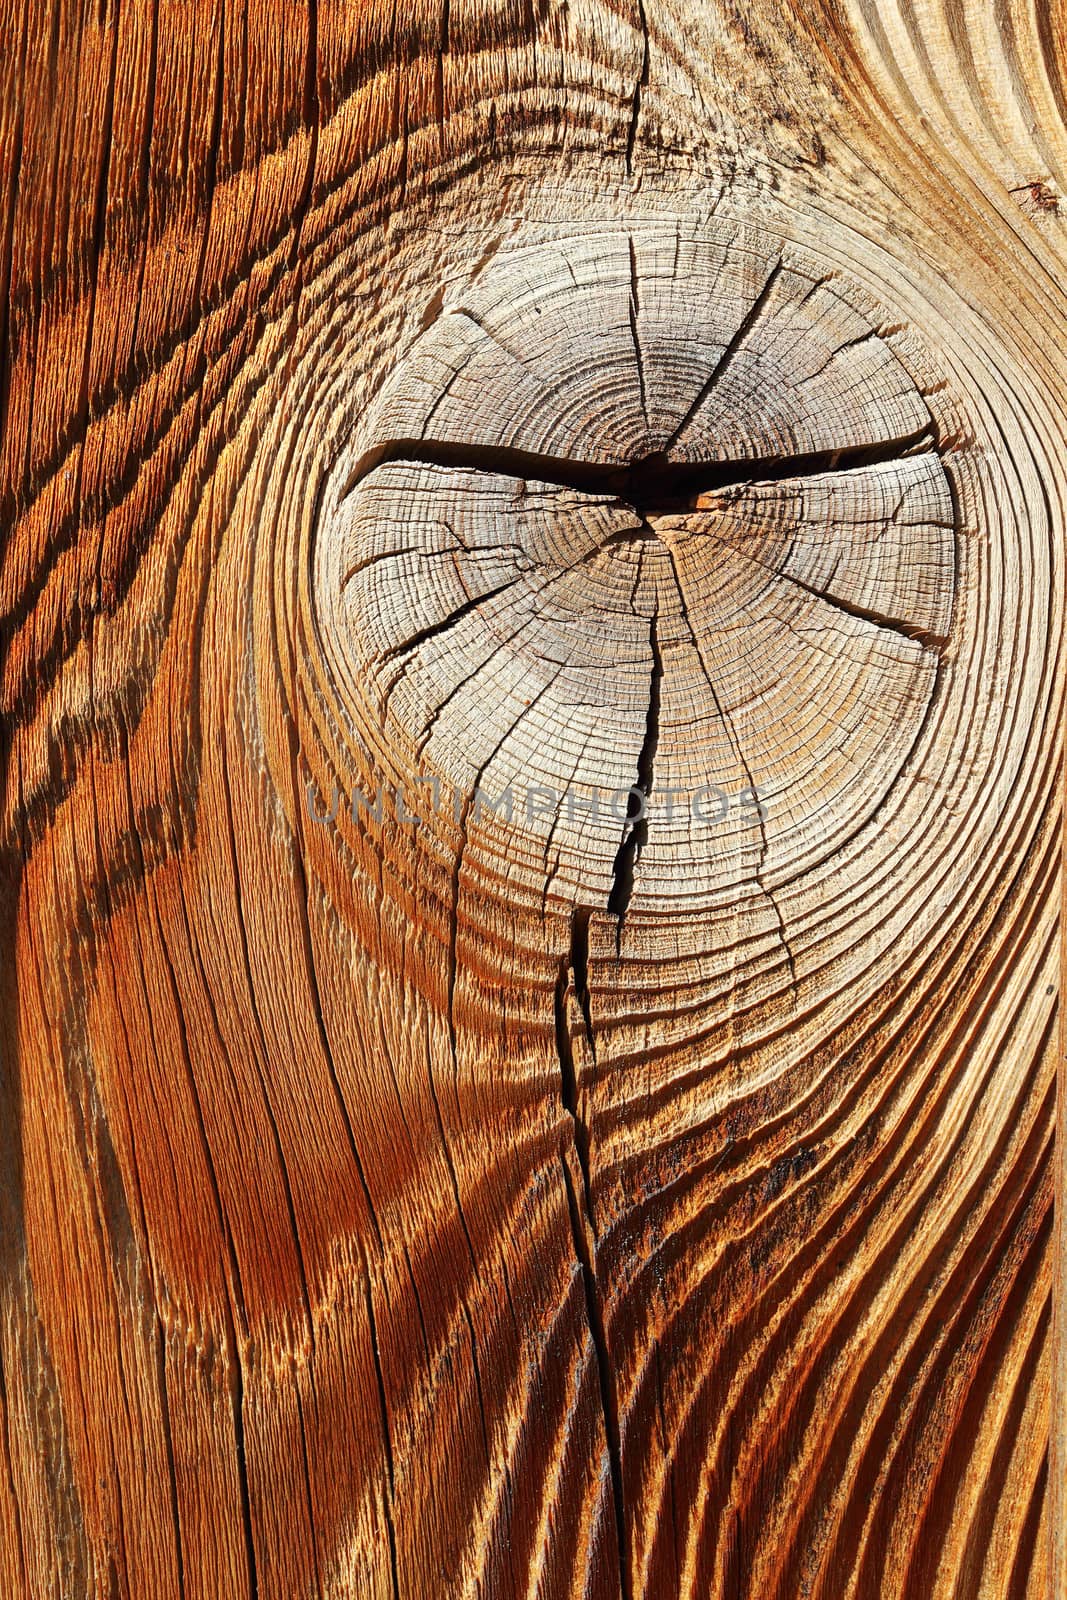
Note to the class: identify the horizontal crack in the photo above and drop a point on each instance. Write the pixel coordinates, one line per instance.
(654, 485)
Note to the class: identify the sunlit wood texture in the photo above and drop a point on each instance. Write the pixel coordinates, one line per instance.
(560, 397)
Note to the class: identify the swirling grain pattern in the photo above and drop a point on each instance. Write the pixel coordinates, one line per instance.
(531, 676)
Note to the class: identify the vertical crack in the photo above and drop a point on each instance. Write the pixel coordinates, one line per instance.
(168, 1445)
(635, 833)
(443, 46)
(635, 313)
(573, 980)
(388, 1502)
(244, 1492)
(309, 1494)
(639, 88)
(574, 974)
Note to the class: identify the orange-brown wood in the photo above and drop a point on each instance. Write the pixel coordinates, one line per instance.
(503, 409)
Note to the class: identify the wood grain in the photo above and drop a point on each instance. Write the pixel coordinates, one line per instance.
(411, 1192)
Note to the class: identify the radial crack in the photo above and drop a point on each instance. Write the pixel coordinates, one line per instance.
(741, 332)
(926, 637)
(573, 974)
(731, 734)
(573, 979)
(457, 688)
(639, 88)
(635, 833)
(635, 312)
(907, 630)
(432, 629)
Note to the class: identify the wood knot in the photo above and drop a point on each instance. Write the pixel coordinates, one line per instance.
(609, 513)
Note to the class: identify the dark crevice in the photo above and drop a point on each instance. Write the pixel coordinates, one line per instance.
(605, 1376)
(639, 88)
(303, 901)
(312, 120)
(7, 254)
(457, 689)
(242, 1479)
(478, 1386)
(99, 247)
(907, 630)
(573, 973)
(580, 968)
(388, 1503)
(639, 533)
(263, 1056)
(432, 630)
(211, 160)
(849, 344)
(635, 313)
(635, 834)
(1025, 1548)
(443, 46)
(652, 485)
(573, 979)
(168, 1447)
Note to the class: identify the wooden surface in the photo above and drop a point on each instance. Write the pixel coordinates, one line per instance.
(473, 398)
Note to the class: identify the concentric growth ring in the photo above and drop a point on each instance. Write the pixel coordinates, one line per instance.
(652, 512)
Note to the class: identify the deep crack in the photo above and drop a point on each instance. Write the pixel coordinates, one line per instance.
(639, 88)
(573, 973)
(635, 833)
(652, 485)
(573, 978)
(635, 314)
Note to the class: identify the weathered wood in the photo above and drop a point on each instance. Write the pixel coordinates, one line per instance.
(628, 439)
